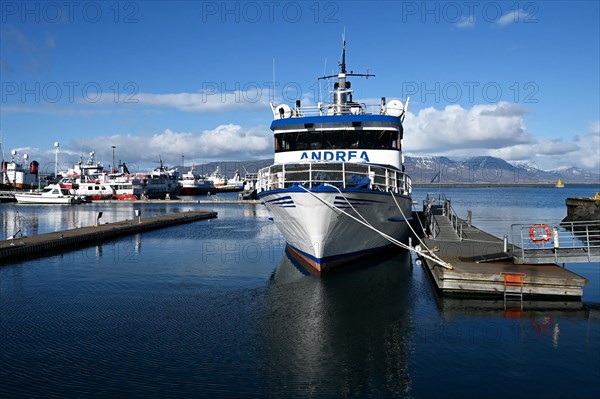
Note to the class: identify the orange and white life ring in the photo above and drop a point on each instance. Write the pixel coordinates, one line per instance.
(545, 235)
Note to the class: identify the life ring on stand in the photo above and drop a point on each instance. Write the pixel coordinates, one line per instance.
(544, 237)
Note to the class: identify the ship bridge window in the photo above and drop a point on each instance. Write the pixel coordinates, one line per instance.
(328, 140)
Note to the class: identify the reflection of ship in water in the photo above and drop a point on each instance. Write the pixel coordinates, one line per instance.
(344, 334)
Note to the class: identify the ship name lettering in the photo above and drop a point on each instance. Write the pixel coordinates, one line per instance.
(341, 156)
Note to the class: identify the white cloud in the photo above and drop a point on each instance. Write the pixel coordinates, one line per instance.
(589, 156)
(105, 103)
(513, 16)
(525, 152)
(27, 53)
(497, 130)
(225, 142)
(466, 22)
(456, 128)
(205, 101)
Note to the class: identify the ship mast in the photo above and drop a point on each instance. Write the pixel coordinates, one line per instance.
(341, 89)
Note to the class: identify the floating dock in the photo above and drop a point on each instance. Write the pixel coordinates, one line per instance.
(481, 264)
(205, 200)
(40, 245)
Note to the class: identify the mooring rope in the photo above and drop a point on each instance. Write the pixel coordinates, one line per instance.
(348, 202)
(366, 224)
(438, 259)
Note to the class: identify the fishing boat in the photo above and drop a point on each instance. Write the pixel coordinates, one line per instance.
(143, 186)
(160, 183)
(87, 180)
(337, 189)
(15, 174)
(236, 183)
(51, 194)
(249, 191)
(218, 179)
(194, 184)
(224, 184)
(559, 184)
(233, 184)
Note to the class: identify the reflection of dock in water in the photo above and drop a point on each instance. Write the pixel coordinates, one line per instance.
(40, 245)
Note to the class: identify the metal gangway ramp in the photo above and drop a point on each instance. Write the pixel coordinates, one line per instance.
(565, 242)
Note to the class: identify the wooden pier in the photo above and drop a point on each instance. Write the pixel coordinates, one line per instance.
(484, 265)
(40, 245)
(204, 200)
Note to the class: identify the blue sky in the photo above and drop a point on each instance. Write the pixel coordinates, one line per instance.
(517, 80)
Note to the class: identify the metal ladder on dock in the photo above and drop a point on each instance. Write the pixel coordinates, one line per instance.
(513, 279)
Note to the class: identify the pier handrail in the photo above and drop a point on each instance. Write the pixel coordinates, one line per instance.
(434, 227)
(340, 174)
(561, 238)
(439, 201)
(454, 219)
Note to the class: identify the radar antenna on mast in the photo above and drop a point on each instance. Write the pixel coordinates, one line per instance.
(343, 64)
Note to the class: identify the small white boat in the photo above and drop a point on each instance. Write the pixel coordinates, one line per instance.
(51, 194)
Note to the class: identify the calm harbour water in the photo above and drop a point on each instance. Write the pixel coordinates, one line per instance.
(216, 309)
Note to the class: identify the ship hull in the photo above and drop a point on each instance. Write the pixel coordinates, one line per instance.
(26, 198)
(196, 190)
(322, 236)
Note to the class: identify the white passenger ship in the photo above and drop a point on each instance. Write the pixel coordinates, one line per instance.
(337, 189)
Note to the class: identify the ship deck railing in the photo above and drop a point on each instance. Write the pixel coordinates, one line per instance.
(574, 241)
(350, 108)
(340, 174)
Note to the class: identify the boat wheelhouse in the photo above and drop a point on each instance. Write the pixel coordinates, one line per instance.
(337, 189)
(87, 180)
(16, 175)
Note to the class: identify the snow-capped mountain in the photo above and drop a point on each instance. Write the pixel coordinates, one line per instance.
(486, 169)
(428, 169)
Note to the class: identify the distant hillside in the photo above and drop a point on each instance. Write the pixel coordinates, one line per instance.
(427, 169)
(230, 167)
(486, 169)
